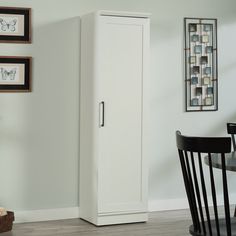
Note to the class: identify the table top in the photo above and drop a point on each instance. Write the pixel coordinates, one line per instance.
(230, 161)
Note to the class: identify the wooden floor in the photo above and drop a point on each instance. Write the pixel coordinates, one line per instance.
(168, 223)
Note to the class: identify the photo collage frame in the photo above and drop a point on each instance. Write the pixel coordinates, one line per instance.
(201, 74)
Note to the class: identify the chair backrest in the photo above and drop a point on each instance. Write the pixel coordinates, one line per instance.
(231, 129)
(192, 151)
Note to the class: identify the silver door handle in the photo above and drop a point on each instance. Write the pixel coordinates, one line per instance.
(101, 114)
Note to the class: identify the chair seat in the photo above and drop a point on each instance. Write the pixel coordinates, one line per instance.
(222, 224)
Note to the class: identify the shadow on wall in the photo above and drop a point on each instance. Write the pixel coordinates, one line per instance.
(47, 156)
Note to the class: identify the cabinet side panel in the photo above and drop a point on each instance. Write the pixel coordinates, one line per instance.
(87, 188)
(146, 110)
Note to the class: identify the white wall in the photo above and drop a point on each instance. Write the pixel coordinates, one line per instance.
(39, 130)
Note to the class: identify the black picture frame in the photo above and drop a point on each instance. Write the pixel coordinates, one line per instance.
(15, 74)
(15, 25)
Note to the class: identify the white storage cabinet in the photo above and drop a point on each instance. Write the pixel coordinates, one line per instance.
(113, 122)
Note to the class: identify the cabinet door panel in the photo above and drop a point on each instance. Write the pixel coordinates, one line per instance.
(120, 78)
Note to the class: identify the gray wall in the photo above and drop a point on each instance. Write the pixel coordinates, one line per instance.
(39, 130)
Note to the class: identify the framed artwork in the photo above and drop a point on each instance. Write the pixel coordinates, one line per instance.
(205, 38)
(194, 102)
(207, 70)
(15, 74)
(194, 80)
(197, 49)
(195, 38)
(192, 27)
(206, 80)
(204, 60)
(192, 60)
(208, 49)
(195, 70)
(210, 90)
(201, 72)
(198, 91)
(208, 101)
(15, 25)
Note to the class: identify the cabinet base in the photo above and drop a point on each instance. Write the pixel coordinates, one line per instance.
(103, 219)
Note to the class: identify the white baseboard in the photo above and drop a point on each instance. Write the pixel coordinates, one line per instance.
(182, 203)
(46, 215)
(73, 212)
(167, 205)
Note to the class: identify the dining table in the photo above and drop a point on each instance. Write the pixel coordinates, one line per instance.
(230, 161)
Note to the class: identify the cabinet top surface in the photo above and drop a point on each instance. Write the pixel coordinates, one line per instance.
(122, 13)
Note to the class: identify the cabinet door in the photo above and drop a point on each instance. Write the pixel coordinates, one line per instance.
(121, 168)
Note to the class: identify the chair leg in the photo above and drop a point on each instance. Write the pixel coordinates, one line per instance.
(235, 212)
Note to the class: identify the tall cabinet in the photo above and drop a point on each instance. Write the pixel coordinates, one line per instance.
(113, 117)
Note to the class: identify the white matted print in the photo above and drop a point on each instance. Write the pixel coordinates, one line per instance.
(12, 24)
(15, 74)
(15, 25)
(12, 74)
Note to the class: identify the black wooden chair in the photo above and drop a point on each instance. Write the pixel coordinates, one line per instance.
(206, 220)
(231, 129)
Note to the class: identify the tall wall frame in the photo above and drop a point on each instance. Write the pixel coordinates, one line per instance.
(201, 72)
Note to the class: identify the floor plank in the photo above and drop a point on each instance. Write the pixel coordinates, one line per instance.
(167, 223)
